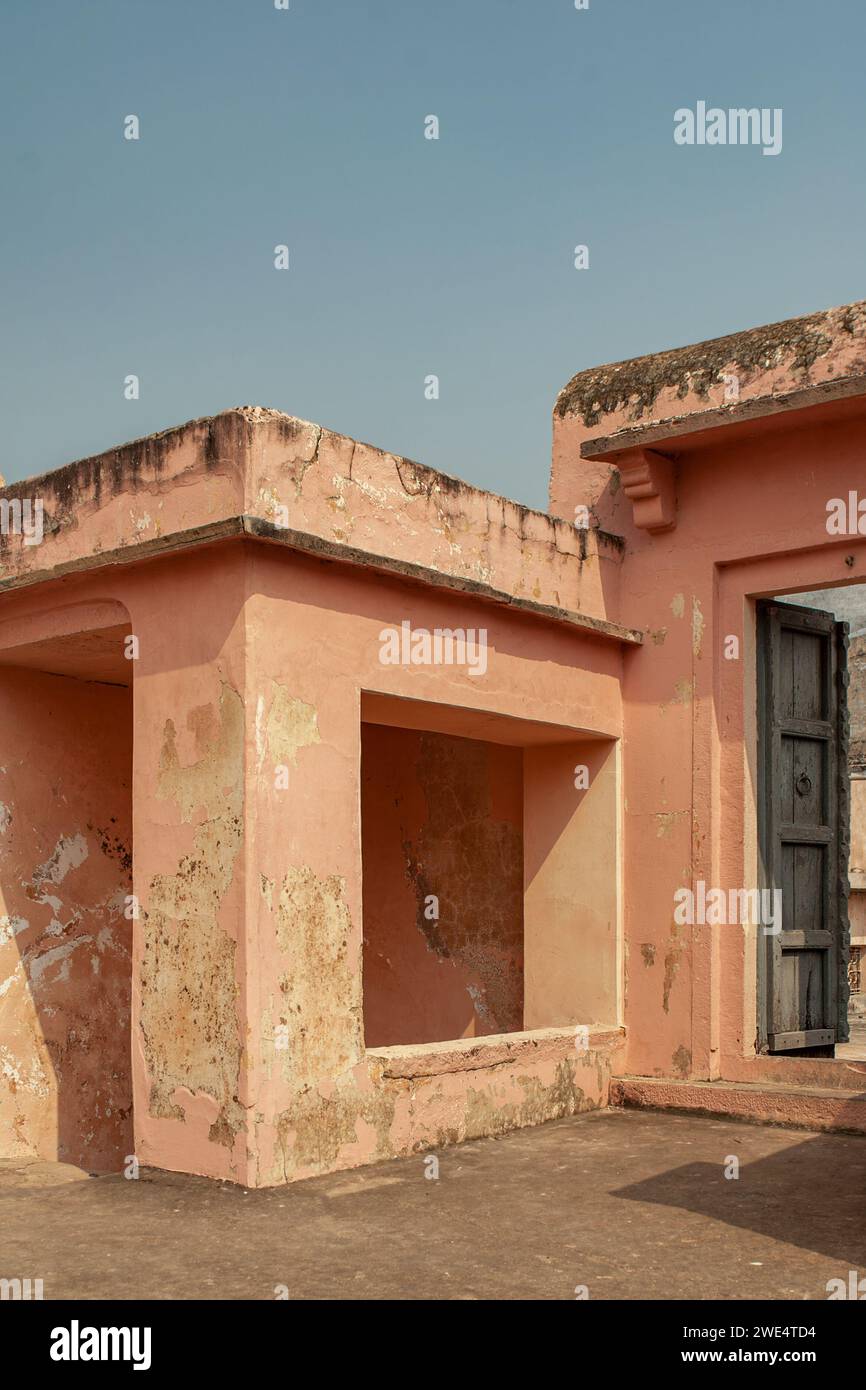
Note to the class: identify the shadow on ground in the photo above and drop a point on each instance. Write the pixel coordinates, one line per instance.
(811, 1194)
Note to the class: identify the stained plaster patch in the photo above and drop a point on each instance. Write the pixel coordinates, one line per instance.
(673, 955)
(666, 820)
(10, 927)
(69, 852)
(484, 1115)
(320, 1003)
(697, 627)
(189, 1017)
(317, 1128)
(291, 725)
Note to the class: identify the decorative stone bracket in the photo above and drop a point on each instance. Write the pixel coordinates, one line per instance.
(649, 482)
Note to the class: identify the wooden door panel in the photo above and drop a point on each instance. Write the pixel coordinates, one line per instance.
(803, 675)
(803, 869)
(801, 993)
(803, 802)
(803, 798)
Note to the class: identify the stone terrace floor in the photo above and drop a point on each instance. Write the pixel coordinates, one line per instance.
(631, 1204)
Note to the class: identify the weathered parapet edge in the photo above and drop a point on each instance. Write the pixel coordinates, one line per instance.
(355, 493)
(682, 427)
(669, 401)
(256, 529)
(764, 362)
(253, 461)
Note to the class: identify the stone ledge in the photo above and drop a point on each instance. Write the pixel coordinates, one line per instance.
(310, 544)
(770, 1103)
(473, 1054)
(665, 431)
(256, 529)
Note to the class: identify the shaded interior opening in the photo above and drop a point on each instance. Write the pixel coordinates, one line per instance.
(442, 825)
(65, 908)
(490, 875)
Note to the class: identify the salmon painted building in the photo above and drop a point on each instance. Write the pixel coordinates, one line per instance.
(348, 811)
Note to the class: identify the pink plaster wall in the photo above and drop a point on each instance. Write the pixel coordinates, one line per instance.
(750, 520)
(314, 641)
(573, 878)
(248, 1054)
(189, 757)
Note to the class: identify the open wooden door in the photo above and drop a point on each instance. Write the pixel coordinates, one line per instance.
(803, 827)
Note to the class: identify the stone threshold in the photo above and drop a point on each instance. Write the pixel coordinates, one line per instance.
(819, 1108)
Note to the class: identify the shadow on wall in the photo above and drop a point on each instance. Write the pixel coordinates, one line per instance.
(810, 1194)
(442, 822)
(65, 944)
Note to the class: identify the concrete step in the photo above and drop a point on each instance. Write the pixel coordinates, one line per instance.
(801, 1107)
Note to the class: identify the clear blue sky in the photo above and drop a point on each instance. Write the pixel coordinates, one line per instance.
(408, 256)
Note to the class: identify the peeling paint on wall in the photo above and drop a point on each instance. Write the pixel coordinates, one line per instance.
(69, 852)
(666, 820)
(697, 627)
(321, 987)
(673, 955)
(291, 725)
(189, 1015)
(314, 1132)
(541, 1103)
